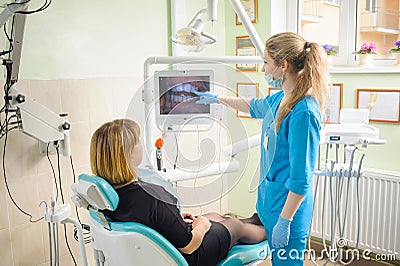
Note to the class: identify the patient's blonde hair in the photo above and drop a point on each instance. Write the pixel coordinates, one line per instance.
(308, 60)
(111, 151)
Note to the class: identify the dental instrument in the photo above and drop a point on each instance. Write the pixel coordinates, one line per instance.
(159, 144)
(353, 130)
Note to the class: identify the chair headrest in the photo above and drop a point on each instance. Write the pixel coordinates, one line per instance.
(94, 192)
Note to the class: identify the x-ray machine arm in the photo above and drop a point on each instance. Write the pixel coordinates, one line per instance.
(34, 119)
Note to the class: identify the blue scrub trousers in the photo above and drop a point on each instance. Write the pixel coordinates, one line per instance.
(291, 255)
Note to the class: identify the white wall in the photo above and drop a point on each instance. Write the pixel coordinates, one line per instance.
(81, 39)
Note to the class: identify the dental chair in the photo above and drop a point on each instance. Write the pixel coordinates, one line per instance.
(131, 243)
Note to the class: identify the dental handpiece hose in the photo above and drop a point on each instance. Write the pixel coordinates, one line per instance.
(159, 143)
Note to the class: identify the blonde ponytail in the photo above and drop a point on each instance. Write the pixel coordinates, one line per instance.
(309, 61)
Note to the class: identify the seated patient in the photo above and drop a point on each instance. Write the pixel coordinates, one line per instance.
(115, 152)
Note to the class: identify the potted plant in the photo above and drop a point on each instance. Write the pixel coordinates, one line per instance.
(396, 51)
(365, 54)
(330, 52)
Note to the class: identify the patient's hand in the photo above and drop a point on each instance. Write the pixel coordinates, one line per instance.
(200, 227)
(188, 217)
(202, 222)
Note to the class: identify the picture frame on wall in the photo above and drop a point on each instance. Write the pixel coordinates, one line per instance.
(334, 105)
(244, 47)
(246, 90)
(332, 110)
(251, 7)
(383, 104)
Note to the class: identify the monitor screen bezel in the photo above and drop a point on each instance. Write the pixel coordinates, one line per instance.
(181, 119)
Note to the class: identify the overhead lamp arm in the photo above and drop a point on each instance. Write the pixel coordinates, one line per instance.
(209, 38)
(197, 16)
(244, 17)
(211, 11)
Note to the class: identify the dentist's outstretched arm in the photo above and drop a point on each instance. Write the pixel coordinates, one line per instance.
(236, 103)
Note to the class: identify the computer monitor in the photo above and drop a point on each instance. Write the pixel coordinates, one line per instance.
(175, 100)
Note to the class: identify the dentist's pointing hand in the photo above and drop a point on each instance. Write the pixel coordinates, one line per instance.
(206, 97)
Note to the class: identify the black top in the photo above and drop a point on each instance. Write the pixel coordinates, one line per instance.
(153, 206)
(138, 205)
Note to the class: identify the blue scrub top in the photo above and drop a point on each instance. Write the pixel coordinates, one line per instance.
(287, 159)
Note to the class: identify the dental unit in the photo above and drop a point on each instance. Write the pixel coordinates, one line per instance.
(93, 194)
(353, 130)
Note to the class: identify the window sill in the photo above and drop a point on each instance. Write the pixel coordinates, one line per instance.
(332, 4)
(357, 69)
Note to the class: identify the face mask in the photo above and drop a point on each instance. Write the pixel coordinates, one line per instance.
(276, 83)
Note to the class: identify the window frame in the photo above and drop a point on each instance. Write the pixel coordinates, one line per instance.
(347, 38)
(332, 2)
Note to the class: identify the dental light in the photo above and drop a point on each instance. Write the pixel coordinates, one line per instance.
(193, 35)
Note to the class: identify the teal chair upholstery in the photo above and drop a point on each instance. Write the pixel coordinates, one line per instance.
(238, 255)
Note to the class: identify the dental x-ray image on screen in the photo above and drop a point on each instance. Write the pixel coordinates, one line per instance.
(177, 97)
(176, 102)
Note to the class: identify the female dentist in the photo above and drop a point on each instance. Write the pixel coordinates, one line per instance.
(292, 120)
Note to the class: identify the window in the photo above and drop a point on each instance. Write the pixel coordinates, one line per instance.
(346, 25)
(317, 18)
(378, 22)
(336, 2)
